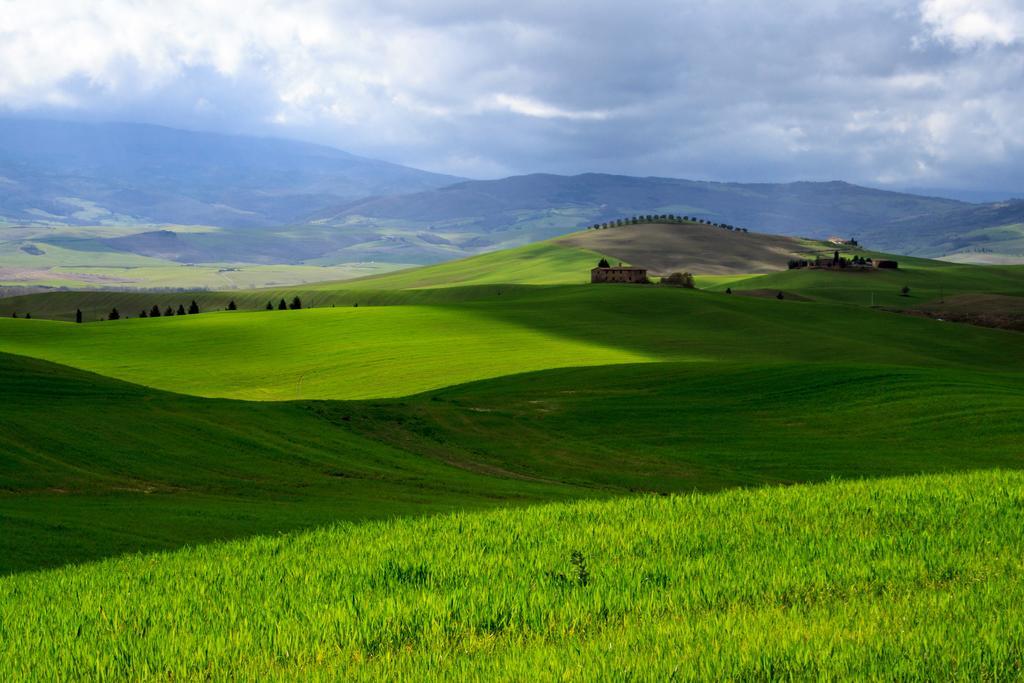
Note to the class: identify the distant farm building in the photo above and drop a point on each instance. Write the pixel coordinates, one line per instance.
(839, 241)
(837, 262)
(618, 273)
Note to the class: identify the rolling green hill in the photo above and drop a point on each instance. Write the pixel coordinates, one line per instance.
(93, 466)
(915, 579)
(387, 351)
(498, 381)
(928, 281)
(699, 249)
(664, 248)
(542, 263)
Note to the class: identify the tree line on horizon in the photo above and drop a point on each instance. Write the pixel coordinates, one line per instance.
(193, 309)
(663, 218)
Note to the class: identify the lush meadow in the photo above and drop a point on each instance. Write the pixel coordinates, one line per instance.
(912, 579)
(94, 467)
(612, 426)
(387, 351)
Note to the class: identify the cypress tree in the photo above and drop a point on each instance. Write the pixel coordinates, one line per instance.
(181, 309)
(296, 304)
(154, 312)
(169, 311)
(143, 314)
(114, 315)
(282, 306)
(270, 306)
(232, 306)
(78, 315)
(193, 307)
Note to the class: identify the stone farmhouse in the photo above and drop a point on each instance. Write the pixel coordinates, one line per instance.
(618, 273)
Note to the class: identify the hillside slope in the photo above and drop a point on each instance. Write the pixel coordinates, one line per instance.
(500, 213)
(916, 579)
(84, 174)
(691, 247)
(368, 352)
(93, 467)
(802, 208)
(988, 233)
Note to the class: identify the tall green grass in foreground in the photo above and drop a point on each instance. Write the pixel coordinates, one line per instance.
(913, 579)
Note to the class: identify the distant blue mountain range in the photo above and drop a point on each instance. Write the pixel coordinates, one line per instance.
(82, 173)
(335, 207)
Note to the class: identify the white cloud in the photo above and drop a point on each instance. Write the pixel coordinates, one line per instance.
(969, 23)
(732, 89)
(531, 107)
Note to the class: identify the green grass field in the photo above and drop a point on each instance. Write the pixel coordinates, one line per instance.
(385, 351)
(410, 405)
(36, 256)
(909, 579)
(928, 281)
(490, 275)
(542, 263)
(94, 467)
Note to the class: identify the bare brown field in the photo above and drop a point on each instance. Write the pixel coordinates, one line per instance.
(665, 248)
(986, 310)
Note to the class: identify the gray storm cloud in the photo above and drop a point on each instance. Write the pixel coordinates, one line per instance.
(907, 92)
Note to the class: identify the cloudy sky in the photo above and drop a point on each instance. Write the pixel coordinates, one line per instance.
(904, 93)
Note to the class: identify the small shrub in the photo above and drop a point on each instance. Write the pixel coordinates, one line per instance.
(679, 280)
(580, 564)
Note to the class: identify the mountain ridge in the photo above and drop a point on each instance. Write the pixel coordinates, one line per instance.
(278, 201)
(79, 173)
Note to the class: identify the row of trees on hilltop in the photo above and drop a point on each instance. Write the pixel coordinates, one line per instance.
(663, 218)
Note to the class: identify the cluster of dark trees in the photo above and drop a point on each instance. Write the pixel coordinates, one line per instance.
(836, 261)
(663, 218)
(193, 308)
(154, 312)
(679, 280)
(295, 305)
(28, 316)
